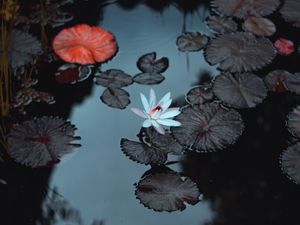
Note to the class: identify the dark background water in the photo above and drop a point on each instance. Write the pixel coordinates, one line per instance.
(241, 185)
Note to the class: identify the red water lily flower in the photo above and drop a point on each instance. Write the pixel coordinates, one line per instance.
(284, 46)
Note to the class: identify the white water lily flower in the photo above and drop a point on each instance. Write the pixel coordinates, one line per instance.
(158, 114)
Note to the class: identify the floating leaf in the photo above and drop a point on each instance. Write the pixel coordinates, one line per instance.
(167, 191)
(115, 97)
(41, 141)
(240, 90)
(199, 95)
(143, 153)
(148, 78)
(260, 26)
(221, 24)
(239, 52)
(290, 12)
(148, 64)
(208, 127)
(191, 41)
(293, 121)
(290, 162)
(113, 78)
(244, 9)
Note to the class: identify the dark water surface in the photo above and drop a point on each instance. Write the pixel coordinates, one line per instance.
(241, 185)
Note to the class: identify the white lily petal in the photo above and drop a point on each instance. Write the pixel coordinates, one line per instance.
(147, 123)
(139, 112)
(160, 129)
(165, 98)
(166, 104)
(169, 113)
(145, 103)
(156, 114)
(152, 98)
(169, 122)
(154, 123)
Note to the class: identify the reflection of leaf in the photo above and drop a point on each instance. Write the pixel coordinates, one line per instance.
(207, 127)
(148, 64)
(244, 90)
(191, 41)
(167, 191)
(148, 78)
(199, 95)
(115, 97)
(113, 78)
(143, 153)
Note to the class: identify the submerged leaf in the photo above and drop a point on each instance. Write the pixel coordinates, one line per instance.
(208, 127)
(167, 191)
(240, 52)
(148, 78)
(221, 24)
(290, 162)
(149, 64)
(240, 90)
(191, 41)
(113, 78)
(115, 98)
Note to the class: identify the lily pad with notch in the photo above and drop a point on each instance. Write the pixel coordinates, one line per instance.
(115, 98)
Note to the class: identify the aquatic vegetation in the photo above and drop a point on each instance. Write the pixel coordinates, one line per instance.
(151, 69)
(22, 49)
(221, 24)
(113, 78)
(282, 80)
(191, 41)
(157, 114)
(41, 141)
(199, 95)
(290, 12)
(9, 10)
(293, 121)
(115, 97)
(240, 52)
(208, 127)
(290, 162)
(240, 90)
(84, 44)
(244, 9)
(284, 46)
(167, 191)
(72, 73)
(260, 26)
(50, 13)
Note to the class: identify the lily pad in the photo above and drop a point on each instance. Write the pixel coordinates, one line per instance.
(221, 24)
(199, 95)
(290, 162)
(149, 64)
(115, 97)
(293, 121)
(260, 26)
(113, 78)
(167, 191)
(240, 90)
(208, 127)
(148, 78)
(191, 41)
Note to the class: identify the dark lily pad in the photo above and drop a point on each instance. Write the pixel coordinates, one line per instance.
(240, 52)
(293, 121)
(240, 90)
(260, 26)
(191, 41)
(290, 162)
(208, 127)
(149, 64)
(148, 78)
(167, 191)
(113, 78)
(115, 97)
(290, 12)
(143, 153)
(221, 24)
(279, 80)
(199, 95)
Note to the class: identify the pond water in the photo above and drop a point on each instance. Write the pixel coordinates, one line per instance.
(243, 183)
